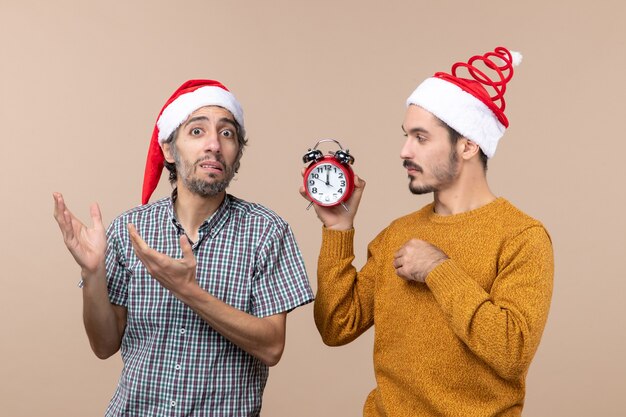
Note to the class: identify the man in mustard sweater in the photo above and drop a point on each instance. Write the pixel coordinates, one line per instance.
(458, 291)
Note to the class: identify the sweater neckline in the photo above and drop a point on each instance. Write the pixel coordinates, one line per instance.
(454, 218)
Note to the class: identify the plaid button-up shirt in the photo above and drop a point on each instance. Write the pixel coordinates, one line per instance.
(175, 364)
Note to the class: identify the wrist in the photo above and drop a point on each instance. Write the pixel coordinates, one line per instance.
(89, 275)
(189, 292)
(437, 262)
(434, 265)
(340, 227)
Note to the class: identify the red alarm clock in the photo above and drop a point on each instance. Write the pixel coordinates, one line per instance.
(328, 180)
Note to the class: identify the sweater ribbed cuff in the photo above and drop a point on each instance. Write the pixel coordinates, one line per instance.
(337, 243)
(449, 278)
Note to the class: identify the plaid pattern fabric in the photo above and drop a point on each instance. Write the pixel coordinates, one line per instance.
(175, 364)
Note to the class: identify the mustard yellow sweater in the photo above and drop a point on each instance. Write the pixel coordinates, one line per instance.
(460, 344)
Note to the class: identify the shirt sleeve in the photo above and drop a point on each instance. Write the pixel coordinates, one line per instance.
(280, 282)
(504, 326)
(115, 263)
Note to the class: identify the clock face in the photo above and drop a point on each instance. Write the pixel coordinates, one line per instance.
(328, 183)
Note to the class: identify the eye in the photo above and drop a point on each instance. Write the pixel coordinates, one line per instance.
(420, 138)
(196, 131)
(227, 133)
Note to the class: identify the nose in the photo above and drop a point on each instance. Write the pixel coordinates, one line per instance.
(407, 151)
(212, 142)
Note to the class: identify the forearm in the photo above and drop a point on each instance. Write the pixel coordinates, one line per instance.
(504, 330)
(263, 338)
(343, 307)
(103, 326)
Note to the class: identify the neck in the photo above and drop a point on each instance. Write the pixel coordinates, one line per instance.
(191, 209)
(469, 192)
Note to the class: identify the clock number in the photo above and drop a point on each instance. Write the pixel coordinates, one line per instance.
(311, 182)
(341, 175)
(314, 190)
(316, 176)
(340, 191)
(343, 183)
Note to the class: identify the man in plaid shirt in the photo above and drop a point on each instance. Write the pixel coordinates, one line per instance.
(194, 289)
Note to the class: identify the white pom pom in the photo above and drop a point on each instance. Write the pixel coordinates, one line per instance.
(517, 58)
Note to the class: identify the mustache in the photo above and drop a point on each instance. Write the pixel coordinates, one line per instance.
(411, 165)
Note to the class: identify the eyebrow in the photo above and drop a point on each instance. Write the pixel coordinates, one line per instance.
(415, 130)
(206, 119)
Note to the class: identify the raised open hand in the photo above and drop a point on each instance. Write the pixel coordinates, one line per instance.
(86, 244)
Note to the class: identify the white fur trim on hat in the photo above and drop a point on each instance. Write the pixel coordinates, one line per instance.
(179, 110)
(461, 111)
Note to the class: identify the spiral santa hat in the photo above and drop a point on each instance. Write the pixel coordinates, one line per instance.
(464, 104)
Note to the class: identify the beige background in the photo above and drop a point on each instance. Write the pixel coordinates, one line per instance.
(82, 82)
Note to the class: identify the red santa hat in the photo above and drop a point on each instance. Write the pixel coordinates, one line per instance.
(188, 98)
(465, 104)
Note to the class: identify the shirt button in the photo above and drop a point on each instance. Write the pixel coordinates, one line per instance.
(177, 367)
(182, 330)
(173, 403)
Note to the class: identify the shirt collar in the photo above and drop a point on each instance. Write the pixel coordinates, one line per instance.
(212, 225)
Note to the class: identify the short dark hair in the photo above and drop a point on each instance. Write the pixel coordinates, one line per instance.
(171, 139)
(454, 138)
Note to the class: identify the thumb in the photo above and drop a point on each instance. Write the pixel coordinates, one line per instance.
(359, 183)
(187, 250)
(359, 186)
(96, 216)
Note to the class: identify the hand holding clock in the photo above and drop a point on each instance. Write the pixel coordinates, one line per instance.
(333, 197)
(336, 217)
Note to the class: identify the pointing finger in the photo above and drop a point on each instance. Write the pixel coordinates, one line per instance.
(138, 243)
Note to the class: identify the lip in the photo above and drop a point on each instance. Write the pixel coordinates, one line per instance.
(413, 169)
(209, 165)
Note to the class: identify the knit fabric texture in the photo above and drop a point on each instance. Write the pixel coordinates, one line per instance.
(459, 344)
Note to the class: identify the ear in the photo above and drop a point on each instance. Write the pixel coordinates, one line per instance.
(469, 149)
(167, 152)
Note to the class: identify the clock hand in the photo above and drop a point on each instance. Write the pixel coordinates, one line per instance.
(327, 183)
(327, 177)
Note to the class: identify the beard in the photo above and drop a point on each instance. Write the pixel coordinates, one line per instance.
(444, 174)
(202, 186)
